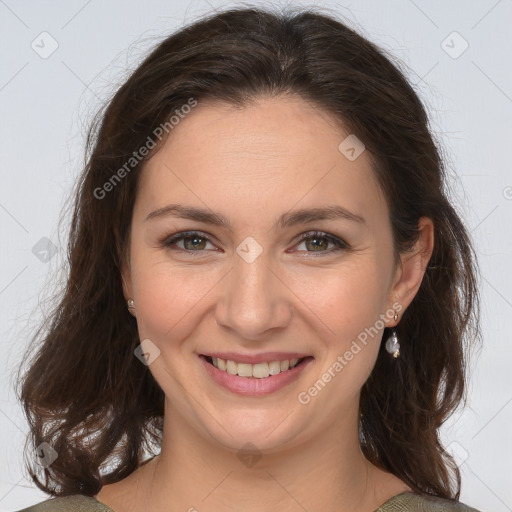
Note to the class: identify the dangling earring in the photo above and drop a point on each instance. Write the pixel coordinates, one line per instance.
(131, 304)
(392, 345)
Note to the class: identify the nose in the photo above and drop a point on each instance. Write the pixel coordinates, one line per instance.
(253, 300)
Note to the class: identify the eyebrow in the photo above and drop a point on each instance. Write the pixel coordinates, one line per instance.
(288, 219)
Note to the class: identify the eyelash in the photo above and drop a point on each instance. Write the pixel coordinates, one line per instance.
(340, 244)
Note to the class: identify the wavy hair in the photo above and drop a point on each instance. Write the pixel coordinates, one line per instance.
(86, 394)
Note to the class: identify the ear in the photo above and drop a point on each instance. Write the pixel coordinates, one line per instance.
(413, 264)
(127, 283)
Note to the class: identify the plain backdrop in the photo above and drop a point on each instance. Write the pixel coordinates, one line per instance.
(61, 59)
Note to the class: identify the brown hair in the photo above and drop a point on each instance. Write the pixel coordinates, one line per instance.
(90, 398)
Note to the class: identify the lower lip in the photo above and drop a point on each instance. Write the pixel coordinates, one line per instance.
(253, 386)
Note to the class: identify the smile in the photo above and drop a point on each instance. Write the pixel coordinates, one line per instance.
(257, 371)
(256, 379)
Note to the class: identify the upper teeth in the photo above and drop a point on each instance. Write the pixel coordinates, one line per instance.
(260, 370)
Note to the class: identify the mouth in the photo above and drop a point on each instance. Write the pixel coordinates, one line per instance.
(266, 374)
(260, 370)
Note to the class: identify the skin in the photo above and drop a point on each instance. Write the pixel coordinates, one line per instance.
(252, 165)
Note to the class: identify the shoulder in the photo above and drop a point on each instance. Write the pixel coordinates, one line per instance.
(74, 503)
(409, 502)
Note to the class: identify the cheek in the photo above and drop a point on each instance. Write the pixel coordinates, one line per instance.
(168, 298)
(350, 303)
(345, 300)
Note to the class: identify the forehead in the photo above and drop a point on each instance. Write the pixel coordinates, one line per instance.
(272, 153)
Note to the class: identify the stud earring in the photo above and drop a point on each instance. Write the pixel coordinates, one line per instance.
(392, 344)
(131, 304)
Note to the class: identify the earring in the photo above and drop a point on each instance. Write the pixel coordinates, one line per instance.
(131, 304)
(392, 345)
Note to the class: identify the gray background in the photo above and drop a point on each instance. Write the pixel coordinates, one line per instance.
(48, 100)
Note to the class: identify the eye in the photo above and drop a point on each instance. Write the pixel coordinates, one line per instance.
(192, 241)
(318, 241)
(195, 241)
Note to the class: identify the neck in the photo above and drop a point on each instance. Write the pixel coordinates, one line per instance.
(328, 472)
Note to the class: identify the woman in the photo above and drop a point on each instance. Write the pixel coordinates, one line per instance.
(267, 283)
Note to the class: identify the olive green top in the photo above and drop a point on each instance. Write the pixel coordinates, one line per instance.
(404, 502)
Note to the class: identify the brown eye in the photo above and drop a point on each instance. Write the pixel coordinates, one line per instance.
(319, 242)
(192, 241)
(316, 243)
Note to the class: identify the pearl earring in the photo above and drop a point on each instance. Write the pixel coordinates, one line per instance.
(392, 344)
(131, 304)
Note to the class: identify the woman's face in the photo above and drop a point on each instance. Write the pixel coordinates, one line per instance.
(250, 286)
